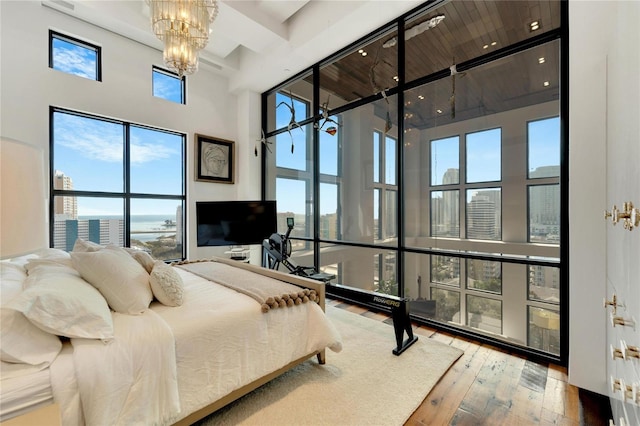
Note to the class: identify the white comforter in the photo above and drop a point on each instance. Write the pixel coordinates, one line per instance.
(172, 361)
(130, 380)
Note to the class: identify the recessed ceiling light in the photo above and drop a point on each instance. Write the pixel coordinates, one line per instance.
(360, 51)
(545, 84)
(420, 97)
(493, 43)
(439, 111)
(541, 60)
(486, 46)
(395, 77)
(533, 26)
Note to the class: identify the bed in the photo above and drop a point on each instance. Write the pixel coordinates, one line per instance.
(131, 340)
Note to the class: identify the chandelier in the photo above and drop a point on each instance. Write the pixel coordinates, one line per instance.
(183, 27)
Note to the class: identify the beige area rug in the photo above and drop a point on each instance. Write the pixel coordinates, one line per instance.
(364, 384)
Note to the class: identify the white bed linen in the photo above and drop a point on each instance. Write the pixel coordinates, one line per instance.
(130, 380)
(220, 339)
(224, 341)
(24, 388)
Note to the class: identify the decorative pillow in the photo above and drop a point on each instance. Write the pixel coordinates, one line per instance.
(64, 304)
(166, 284)
(22, 342)
(86, 246)
(120, 279)
(142, 257)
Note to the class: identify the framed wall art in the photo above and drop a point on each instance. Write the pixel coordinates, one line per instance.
(214, 159)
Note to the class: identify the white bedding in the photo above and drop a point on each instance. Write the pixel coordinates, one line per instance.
(24, 388)
(132, 379)
(222, 341)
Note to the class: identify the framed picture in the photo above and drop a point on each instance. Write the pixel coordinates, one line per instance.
(214, 159)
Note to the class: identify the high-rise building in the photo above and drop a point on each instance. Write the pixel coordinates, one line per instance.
(64, 207)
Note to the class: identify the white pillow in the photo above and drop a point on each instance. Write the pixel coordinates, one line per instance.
(120, 279)
(142, 257)
(64, 304)
(12, 278)
(83, 246)
(166, 284)
(22, 342)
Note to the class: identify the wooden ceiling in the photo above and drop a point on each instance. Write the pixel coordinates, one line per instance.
(469, 30)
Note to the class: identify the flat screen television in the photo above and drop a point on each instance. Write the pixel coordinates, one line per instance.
(234, 223)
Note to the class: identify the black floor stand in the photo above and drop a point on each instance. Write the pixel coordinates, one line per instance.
(402, 323)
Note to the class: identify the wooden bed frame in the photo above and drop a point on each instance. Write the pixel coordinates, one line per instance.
(318, 286)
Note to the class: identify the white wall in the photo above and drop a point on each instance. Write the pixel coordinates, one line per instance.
(29, 87)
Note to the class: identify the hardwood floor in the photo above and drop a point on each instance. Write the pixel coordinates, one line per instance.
(488, 386)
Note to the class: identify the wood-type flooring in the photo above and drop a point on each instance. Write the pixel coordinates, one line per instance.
(489, 386)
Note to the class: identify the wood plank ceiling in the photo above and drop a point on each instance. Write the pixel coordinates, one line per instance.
(470, 29)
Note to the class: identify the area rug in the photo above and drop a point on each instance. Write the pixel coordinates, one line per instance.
(364, 384)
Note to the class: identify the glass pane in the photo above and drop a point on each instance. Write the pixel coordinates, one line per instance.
(484, 313)
(376, 156)
(157, 227)
(390, 161)
(360, 267)
(329, 151)
(445, 270)
(364, 71)
(156, 162)
(376, 213)
(391, 214)
(484, 214)
(167, 86)
(544, 214)
(293, 149)
(445, 161)
(484, 91)
(544, 283)
(466, 34)
(357, 209)
(290, 104)
(100, 220)
(544, 330)
(88, 152)
(329, 211)
(447, 305)
(484, 275)
(74, 58)
(384, 273)
(293, 200)
(544, 148)
(445, 213)
(484, 156)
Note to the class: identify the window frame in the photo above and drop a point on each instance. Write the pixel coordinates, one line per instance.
(125, 195)
(182, 80)
(80, 43)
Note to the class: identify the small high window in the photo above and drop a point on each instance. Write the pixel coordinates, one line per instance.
(168, 85)
(73, 56)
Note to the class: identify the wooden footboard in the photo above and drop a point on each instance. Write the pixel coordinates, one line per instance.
(238, 393)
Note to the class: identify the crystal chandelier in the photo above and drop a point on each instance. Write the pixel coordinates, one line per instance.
(183, 26)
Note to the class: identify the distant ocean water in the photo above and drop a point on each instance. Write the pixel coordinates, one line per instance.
(142, 226)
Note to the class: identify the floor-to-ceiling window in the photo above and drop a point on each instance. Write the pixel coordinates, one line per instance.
(431, 167)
